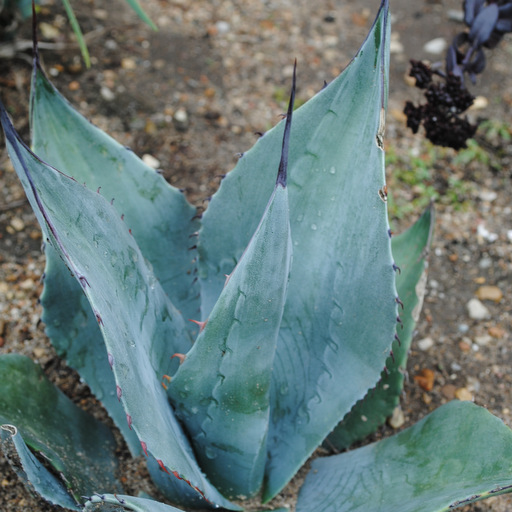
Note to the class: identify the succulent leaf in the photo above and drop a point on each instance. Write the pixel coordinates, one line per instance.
(410, 251)
(458, 454)
(120, 502)
(158, 215)
(222, 388)
(140, 325)
(51, 425)
(31, 472)
(339, 320)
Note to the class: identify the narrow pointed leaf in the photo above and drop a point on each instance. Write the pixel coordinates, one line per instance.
(64, 138)
(78, 32)
(339, 320)
(134, 4)
(50, 424)
(458, 454)
(120, 502)
(410, 250)
(140, 326)
(222, 389)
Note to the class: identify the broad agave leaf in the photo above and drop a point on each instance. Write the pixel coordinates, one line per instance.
(34, 412)
(157, 214)
(120, 503)
(140, 325)
(458, 454)
(222, 389)
(410, 250)
(340, 316)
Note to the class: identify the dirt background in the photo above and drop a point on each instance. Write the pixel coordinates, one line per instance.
(193, 94)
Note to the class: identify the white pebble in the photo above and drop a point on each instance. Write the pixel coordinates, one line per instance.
(106, 93)
(436, 46)
(476, 310)
(425, 343)
(151, 161)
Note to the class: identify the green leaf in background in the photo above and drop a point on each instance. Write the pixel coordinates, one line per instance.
(140, 326)
(410, 250)
(50, 424)
(340, 318)
(458, 454)
(134, 4)
(78, 32)
(158, 215)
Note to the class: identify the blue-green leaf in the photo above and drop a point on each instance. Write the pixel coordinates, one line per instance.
(51, 425)
(222, 389)
(340, 317)
(157, 214)
(141, 327)
(410, 250)
(120, 502)
(458, 454)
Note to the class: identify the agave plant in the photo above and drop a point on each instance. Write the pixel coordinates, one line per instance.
(303, 307)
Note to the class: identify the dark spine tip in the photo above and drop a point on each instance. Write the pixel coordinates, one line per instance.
(398, 340)
(121, 500)
(396, 268)
(399, 302)
(283, 165)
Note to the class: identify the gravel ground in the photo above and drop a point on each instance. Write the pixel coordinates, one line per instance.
(193, 94)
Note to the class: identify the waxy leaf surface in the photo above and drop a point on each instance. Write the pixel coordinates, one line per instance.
(140, 326)
(410, 250)
(340, 316)
(49, 423)
(157, 214)
(458, 454)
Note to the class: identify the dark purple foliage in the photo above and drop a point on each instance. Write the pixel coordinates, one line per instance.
(447, 97)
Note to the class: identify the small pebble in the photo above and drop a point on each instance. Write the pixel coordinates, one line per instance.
(223, 27)
(448, 391)
(425, 343)
(456, 367)
(476, 310)
(479, 103)
(128, 63)
(483, 340)
(39, 352)
(497, 332)
(487, 195)
(151, 161)
(28, 284)
(488, 292)
(485, 263)
(463, 328)
(107, 93)
(473, 384)
(455, 15)
(17, 224)
(464, 395)
(436, 46)
(397, 419)
(425, 379)
(180, 119)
